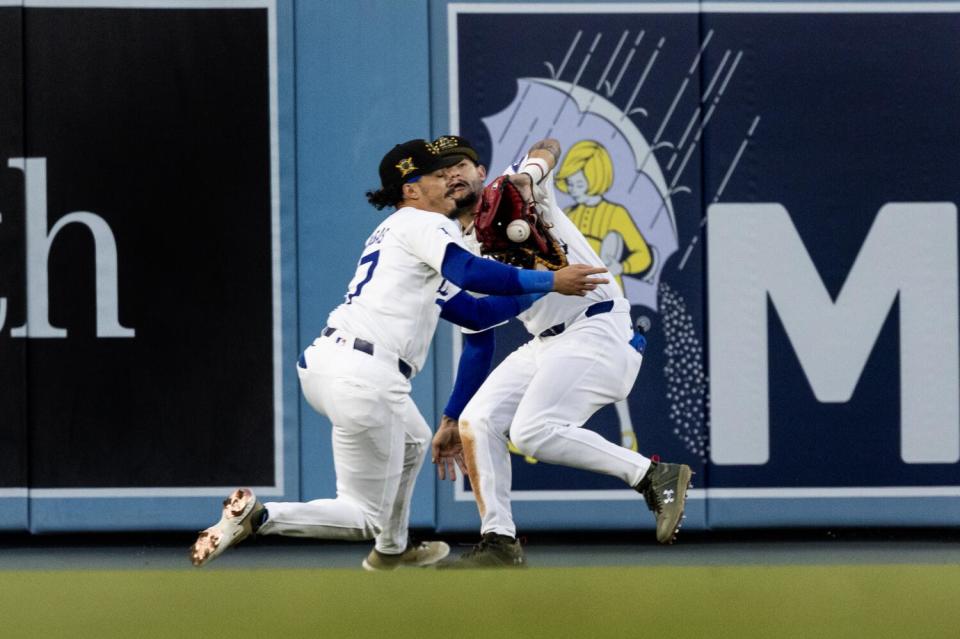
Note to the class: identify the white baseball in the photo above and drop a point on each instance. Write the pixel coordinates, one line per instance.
(518, 230)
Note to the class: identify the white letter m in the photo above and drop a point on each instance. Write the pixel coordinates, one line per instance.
(911, 251)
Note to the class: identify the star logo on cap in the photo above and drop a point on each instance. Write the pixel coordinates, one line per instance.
(406, 166)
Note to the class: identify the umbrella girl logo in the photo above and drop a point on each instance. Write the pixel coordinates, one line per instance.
(618, 185)
(586, 174)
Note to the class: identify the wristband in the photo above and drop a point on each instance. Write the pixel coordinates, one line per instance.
(535, 281)
(532, 165)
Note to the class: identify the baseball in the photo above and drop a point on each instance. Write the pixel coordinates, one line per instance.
(518, 230)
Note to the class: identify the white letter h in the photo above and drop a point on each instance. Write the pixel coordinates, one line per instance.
(39, 242)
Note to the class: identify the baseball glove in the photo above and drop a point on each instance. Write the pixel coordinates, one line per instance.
(500, 204)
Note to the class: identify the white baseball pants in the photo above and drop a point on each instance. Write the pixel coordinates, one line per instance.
(539, 397)
(380, 441)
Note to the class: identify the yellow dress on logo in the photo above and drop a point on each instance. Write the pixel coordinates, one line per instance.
(597, 222)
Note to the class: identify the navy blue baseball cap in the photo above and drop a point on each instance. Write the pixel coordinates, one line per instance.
(410, 160)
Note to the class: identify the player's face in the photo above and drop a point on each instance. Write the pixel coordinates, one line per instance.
(465, 180)
(431, 193)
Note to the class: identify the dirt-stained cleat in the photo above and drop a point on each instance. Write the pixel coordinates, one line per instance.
(416, 555)
(240, 512)
(493, 551)
(664, 488)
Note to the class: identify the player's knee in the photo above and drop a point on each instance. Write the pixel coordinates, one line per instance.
(470, 423)
(526, 439)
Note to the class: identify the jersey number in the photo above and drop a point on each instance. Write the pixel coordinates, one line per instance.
(371, 259)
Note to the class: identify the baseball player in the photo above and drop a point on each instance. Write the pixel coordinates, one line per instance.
(357, 372)
(584, 355)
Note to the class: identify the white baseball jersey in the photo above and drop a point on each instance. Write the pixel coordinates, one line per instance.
(392, 299)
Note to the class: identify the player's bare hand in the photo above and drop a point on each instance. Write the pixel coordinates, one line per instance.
(448, 449)
(578, 279)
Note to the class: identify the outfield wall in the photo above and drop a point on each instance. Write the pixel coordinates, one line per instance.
(181, 204)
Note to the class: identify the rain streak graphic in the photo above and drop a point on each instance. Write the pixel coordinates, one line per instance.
(619, 177)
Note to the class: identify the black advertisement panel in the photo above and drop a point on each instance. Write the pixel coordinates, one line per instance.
(13, 395)
(147, 234)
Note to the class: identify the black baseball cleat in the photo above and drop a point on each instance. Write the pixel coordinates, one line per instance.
(664, 488)
(493, 551)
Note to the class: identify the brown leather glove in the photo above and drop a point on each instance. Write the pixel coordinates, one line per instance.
(500, 204)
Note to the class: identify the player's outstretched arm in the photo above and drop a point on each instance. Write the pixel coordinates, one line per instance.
(480, 314)
(474, 273)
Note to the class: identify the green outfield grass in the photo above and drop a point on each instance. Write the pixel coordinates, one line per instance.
(902, 601)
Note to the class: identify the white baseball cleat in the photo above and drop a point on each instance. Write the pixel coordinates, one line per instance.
(240, 510)
(420, 554)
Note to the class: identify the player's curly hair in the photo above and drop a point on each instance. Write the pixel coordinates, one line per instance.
(387, 196)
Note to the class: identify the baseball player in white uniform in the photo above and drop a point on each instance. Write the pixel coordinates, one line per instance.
(358, 371)
(584, 355)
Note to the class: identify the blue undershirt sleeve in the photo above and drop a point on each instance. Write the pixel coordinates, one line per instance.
(473, 370)
(478, 314)
(473, 273)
